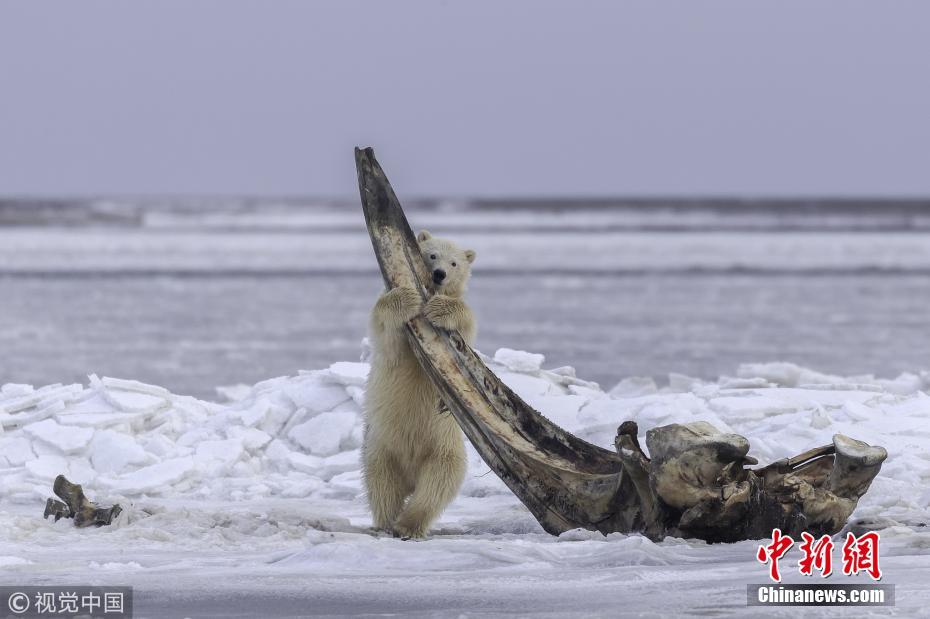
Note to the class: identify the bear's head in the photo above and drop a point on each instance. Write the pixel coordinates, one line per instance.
(449, 265)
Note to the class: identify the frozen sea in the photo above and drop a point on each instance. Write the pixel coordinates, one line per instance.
(192, 294)
(248, 502)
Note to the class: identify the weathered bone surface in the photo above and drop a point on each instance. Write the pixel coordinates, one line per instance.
(84, 512)
(695, 485)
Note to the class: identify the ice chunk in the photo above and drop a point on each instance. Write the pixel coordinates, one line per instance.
(587, 392)
(841, 387)
(111, 452)
(777, 372)
(820, 419)
(136, 402)
(526, 386)
(277, 452)
(97, 420)
(254, 414)
(194, 436)
(357, 394)
(316, 396)
(154, 478)
(226, 451)
(40, 398)
(252, 438)
(518, 360)
(135, 386)
(275, 419)
(11, 390)
(340, 463)
(730, 382)
(560, 409)
(905, 384)
(682, 383)
(305, 463)
(301, 487)
(233, 393)
(43, 410)
(349, 373)
(280, 455)
(48, 467)
(80, 470)
(634, 386)
(158, 444)
(791, 375)
(66, 438)
(17, 450)
(322, 435)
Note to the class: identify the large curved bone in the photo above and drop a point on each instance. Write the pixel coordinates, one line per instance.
(695, 485)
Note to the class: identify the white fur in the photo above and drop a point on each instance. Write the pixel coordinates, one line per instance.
(413, 457)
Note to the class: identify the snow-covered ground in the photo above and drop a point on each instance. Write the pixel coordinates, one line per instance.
(253, 507)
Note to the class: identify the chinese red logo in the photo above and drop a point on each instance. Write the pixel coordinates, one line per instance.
(860, 554)
(817, 555)
(775, 551)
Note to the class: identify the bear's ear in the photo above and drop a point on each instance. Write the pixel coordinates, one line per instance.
(470, 255)
(424, 236)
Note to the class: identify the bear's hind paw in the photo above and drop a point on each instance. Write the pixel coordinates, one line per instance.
(411, 532)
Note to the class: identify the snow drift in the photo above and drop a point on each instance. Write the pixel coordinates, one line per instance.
(299, 436)
(268, 482)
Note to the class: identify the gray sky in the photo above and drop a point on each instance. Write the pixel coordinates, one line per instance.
(525, 98)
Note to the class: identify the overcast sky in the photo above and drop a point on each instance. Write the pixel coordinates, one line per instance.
(466, 98)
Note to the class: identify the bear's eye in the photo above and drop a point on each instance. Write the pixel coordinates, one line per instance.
(453, 264)
(432, 256)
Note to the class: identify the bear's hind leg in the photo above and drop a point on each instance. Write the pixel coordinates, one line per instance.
(386, 487)
(437, 483)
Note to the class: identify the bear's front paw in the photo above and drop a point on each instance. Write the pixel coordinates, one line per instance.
(441, 311)
(401, 304)
(409, 301)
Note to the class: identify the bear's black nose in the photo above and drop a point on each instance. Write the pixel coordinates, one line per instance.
(438, 276)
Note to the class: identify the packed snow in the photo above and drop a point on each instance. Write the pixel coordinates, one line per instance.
(263, 491)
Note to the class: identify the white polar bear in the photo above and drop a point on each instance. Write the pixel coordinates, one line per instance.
(413, 457)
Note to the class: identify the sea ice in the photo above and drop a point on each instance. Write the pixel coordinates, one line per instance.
(112, 452)
(518, 360)
(65, 438)
(322, 435)
(156, 478)
(349, 373)
(270, 484)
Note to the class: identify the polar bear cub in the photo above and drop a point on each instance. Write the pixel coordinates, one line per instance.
(413, 457)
